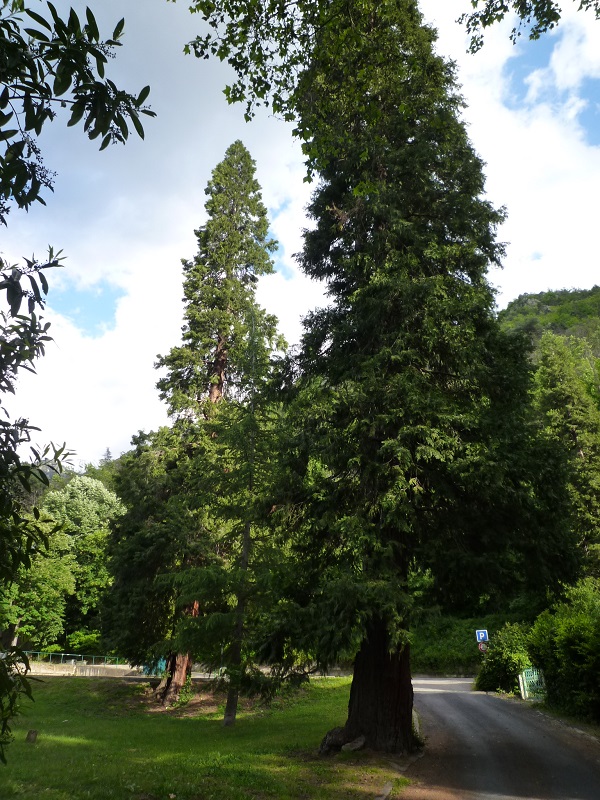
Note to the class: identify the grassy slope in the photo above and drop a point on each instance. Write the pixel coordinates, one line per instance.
(97, 741)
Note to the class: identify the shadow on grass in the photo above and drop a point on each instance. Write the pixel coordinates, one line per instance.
(93, 746)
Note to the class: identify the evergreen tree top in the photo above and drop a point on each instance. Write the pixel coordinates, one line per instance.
(221, 317)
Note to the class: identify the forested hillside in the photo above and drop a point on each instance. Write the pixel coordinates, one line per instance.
(567, 312)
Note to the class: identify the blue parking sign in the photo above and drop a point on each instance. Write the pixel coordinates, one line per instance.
(482, 636)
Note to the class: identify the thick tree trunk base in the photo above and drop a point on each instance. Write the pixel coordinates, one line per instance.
(381, 698)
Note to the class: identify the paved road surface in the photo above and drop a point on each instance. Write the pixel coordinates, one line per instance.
(481, 747)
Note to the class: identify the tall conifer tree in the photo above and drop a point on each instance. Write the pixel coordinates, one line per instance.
(205, 467)
(417, 399)
(219, 293)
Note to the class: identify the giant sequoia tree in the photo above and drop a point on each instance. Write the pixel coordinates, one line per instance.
(206, 468)
(415, 378)
(413, 444)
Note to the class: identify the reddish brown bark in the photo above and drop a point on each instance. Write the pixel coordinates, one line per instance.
(381, 696)
(217, 377)
(179, 666)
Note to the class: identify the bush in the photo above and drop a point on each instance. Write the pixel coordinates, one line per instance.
(565, 644)
(85, 643)
(506, 657)
(442, 644)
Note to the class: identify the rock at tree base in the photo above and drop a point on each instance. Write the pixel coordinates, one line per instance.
(332, 742)
(357, 744)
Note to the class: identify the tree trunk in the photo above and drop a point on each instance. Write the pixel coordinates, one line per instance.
(179, 666)
(235, 651)
(10, 636)
(233, 693)
(381, 696)
(217, 377)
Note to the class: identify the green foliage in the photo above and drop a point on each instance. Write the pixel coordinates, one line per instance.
(565, 400)
(534, 16)
(445, 645)
(266, 43)
(34, 605)
(218, 357)
(48, 62)
(85, 642)
(565, 644)
(506, 657)
(105, 471)
(14, 686)
(23, 337)
(85, 508)
(574, 312)
(156, 537)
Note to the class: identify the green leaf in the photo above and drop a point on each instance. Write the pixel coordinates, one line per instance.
(120, 120)
(93, 32)
(77, 113)
(39, 19)
(119, 29)
(105, 142)
(142, 96)
(44, 282)
(62, 82)
(35, 34)
(137, 124)
(74, 24)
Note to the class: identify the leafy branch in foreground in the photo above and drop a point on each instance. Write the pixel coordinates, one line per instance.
(535, 16)
(23, 337)
(54, 63)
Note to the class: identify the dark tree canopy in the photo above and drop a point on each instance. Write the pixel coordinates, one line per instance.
(410, 443)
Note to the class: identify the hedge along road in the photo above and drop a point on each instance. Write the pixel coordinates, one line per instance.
(482, 747)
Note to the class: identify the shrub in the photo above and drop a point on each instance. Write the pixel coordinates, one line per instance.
(506, 657)
(85, 643)
(565, 644)
(443, 644)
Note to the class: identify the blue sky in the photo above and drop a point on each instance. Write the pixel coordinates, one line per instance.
(126, 217)
(91, 310)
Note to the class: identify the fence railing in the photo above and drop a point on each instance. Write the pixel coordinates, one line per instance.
(532, 685)
(74, 658)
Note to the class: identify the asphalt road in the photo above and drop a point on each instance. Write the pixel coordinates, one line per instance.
(482, 747)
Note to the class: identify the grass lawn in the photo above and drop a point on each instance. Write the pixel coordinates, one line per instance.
(102, 738)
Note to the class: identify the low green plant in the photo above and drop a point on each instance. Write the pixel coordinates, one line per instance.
(506, 657)
(186, 693)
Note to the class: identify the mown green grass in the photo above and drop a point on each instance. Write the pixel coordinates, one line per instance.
(96, 741)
